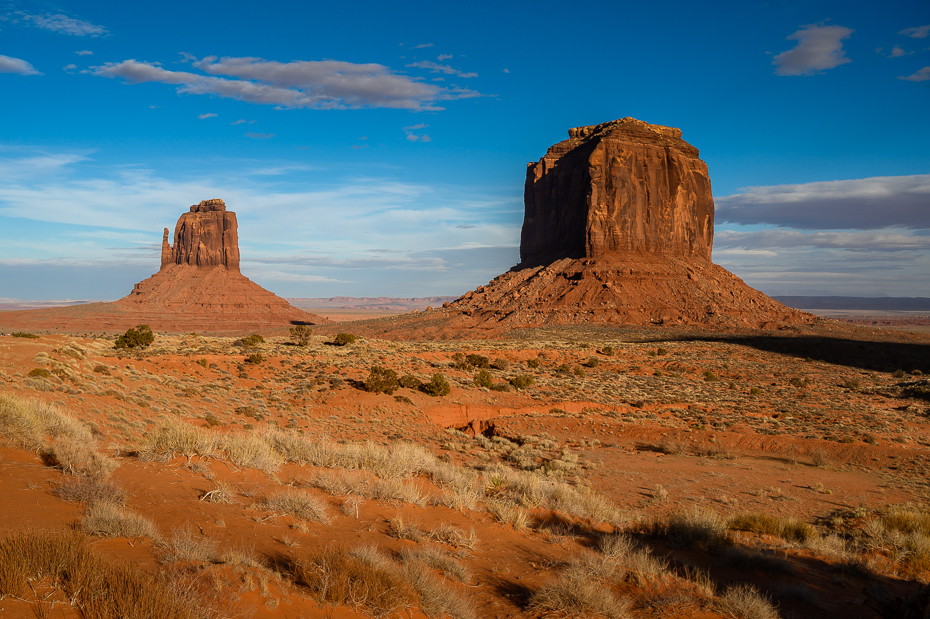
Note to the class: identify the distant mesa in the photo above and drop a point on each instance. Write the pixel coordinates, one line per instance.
(198, 288)
(618, 228)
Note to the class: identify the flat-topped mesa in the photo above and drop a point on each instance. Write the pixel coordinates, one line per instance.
(620, 186)
(207, 236)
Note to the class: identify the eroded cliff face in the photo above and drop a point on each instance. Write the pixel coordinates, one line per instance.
(621, 186)
(207, 236)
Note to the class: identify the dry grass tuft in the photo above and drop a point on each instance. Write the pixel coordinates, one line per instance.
(764, 524)
(745, 602)
(575, 594)
(337, 576)
(99, 589)
(90, 491)
(438, 559)
(185, 546)
(695, 528)
(299, 505)
(453, 536)
(111, 520)
(410, 531)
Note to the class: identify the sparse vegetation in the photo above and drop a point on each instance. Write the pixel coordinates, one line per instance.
(25, 335)
(382, 380)
(301, 334)
(343, 339)
(437, 386)
(138, 337)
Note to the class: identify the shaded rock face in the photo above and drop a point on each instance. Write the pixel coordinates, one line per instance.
(621, 186)
(207, 236)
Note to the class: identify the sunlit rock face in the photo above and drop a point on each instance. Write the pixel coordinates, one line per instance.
(207, 236)
(621, 186)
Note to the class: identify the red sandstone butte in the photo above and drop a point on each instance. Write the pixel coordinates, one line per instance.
(198, 288)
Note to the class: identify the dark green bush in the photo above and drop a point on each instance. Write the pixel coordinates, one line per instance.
(253, 340)
(533, 363)
(409, 381)
(593, 362)
(140, 337)
(899, 373)
(24, 334)
(501, 387)
(437, 386)
(344, 339)
(710, 376)
(477, 361)
(255, 358)
(301, 334)
(40, 373)
(608, 350)
(522, 381)
(484, 379)
(102, 369)
(382, 380)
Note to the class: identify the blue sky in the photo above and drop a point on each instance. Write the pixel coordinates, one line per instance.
(379, 149)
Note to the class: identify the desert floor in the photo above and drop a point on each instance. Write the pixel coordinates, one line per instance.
(634, 473)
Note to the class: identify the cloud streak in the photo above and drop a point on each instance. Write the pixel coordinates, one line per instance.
(920, 76)
(819, 48)
(310, 84)
(769, 240)
(860, 204)
(435, 67)
(9, 64)
(63, 24)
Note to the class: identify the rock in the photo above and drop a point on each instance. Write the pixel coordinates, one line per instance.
(624, 185)
(206, 236)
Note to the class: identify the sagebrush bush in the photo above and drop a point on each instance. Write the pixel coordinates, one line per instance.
(24, 334)
(254, 359)
(253, 340)
(409, 381)
(301, 334)
(344, 339)
(522, 381)
(437, 386)
(382, 380)
(484, 379)
(139, 337)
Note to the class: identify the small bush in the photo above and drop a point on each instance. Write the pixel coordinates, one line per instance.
(592, 362)
(764, 524)
(484, 379)
(90, 491)
(344, 339)
(576, 594)
(522, 381)
(608, 351)
(477, 361)
(755, 391)
(24, 334)
(437, 386)
(102, 369)
(299, 505)
(40, 373)
(253, 340)
(899, 374)
(533, 364)
(409, 381)
(500, 363)
(111, 520)
(140, 337)
(254, 358)
(710, 377)
(696, 528)
(745, 602)
(382, 380)
(301, 334)
(799, 383)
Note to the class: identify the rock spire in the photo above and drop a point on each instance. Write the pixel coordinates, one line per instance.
(207, 236)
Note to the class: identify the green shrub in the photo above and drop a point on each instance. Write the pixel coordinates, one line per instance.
(255, 358)
(409, 381)
(477, 361)
(437, 386)
(484, 379)
(899, 374)
(382, 380)
(662, 351)
(140, 337)
(253, 340)
(301, 334)
(24, 334)
(533, 364)
(102, 369)
(500, 363)
(40, 373)
(710, 376)
(608, 350)
(755, 391)
(344, 339)
(593, 362)
(799, 383)
(564, 369)
(522, 381)
(504, 387)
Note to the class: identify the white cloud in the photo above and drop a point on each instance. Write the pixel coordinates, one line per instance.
(862, 204)
(819, 48)
(16, 65)
(326, 84)
(414, 137)
(259, 136)
(920, 76)
(85, 52)
(69, 67)
(422, 45)
(442, 57)
(434, 67)
(64, 24)
(897, 51)
(207, 115)
(921, 32)
(243, 121)
(769, 240)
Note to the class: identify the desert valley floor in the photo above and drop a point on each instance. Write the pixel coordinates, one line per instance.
(569, 471)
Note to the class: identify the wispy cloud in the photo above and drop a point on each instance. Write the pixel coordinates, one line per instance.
(417, 137)
(819, 48)
(242, 121)
(422, 45)
(63, 24)
(434, 67)
(85, 52)
(769, 240)
(69, 67)
(325, 84)
(16, 65)
(920, 32)
(206, 116)
(442, 57)
(897, 51)
(259, 136)
(920, 76)
(861, 204)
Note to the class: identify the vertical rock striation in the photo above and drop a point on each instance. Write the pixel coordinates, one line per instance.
(621, 186)
(207, 236)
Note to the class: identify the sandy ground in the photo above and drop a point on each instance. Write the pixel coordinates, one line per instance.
(830, 432)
